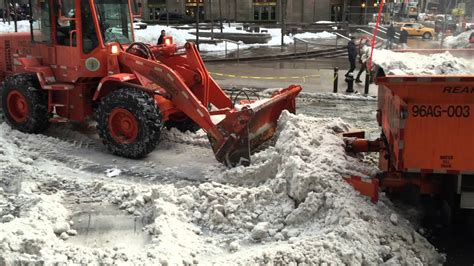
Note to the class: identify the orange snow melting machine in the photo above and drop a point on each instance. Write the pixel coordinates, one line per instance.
(427, 141)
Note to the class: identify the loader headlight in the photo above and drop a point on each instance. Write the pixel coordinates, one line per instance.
(168, 40)
(114, 49)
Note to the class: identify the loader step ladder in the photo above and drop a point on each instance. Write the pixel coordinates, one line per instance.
(55, 89)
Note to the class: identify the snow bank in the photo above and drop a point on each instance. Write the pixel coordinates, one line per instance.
(318, 35)
(395, 63)
(459, 41)
(290, 206)
(23, 25)
(152, 33)
(324, 22)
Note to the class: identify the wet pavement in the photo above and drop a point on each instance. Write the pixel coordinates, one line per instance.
(300, 47)
(361, 114)
(455, 242)
(105, 226)
(312, 75)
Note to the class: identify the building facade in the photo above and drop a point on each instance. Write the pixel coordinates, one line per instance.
(297, 11)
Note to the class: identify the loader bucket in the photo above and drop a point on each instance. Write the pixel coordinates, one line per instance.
(244, 129)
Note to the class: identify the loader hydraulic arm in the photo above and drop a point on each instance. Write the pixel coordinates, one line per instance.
(173, 83)
(192, 90)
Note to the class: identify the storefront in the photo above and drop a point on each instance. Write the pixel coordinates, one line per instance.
(244, 10)
(155, 8)
(264, 10)
(336, 10)
(192, 6)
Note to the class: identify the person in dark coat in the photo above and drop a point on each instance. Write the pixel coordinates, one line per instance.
(160, 39)
(390, 36)
(403, 38)
(352, 52)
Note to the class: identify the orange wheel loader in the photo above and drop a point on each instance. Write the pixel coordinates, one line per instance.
(79, 60)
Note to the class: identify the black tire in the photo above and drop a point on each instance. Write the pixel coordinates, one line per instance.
(451, 201)
(427, 35)
(37, 118)
(148, 118)
(183, 125)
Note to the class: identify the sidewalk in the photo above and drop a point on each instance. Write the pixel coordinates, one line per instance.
(263, 75)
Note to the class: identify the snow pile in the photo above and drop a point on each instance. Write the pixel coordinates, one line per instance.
(324, 22)
(41, 222)
(276, 38)
(30, 220)
(318, 35)
(394, 63)
(198, 138)
(290, 206)
(22, 25)
(152, 33)
(459, 41)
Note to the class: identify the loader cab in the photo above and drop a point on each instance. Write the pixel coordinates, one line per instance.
(72, 35)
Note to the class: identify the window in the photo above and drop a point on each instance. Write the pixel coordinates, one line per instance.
(66, 29)
(155, 13)
(264, 10)
(41, 21)
(272, 13)
(89, 34)
(264, 15)
(114, 21)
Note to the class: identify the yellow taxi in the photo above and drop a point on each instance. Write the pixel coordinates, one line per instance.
(417, 29)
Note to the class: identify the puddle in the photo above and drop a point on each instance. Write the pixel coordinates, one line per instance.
(105, 226)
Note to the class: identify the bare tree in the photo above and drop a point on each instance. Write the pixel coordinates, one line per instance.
(167, 14)
(212, 19)
(228, 12)
(220, 14)
(283, 5)
(197, 26)
(235, 10)
(344, 14)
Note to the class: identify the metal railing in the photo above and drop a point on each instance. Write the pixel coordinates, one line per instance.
(307, 43)
(342, 36)
(226, 50)
(296, 40)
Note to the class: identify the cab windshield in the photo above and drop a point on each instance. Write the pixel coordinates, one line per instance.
(114, 21)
